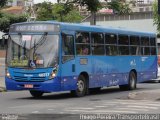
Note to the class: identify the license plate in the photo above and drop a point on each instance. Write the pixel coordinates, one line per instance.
(28, 86)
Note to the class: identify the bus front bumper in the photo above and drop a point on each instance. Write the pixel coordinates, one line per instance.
(52, 85)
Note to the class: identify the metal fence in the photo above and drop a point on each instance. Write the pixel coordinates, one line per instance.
(112, 17)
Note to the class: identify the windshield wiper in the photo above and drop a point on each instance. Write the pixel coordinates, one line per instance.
(40, 42)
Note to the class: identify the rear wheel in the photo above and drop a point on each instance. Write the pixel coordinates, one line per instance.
(81, 87)
(36, 94)
(132, 82)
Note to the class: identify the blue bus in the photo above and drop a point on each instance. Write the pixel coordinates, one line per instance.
(50, 56)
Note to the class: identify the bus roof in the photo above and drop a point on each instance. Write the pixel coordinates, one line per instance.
(91, 28)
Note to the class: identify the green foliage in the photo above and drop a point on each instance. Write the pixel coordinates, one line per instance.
(92, 6)
(59, 12)
(156, 16)
(44, 11)
(73, 16)
(7, 19)
(2, 3)
(120, 6)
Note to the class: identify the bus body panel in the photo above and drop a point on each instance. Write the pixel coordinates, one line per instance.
(102, 70)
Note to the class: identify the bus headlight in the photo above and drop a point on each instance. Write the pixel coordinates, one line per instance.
(53, 74)
(8, 74)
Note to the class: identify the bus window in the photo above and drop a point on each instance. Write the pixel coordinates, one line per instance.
(110, 38)
(134, 40)
(134, 50)
(152, 42)
(97, 38)
(153, 51)
(82, 37)
(83, 49)
(98, 50)
(145, 50)
(67, 47)
(123, 40)
(144, 41)
(97, 43)
(111, 50)
(123, 50)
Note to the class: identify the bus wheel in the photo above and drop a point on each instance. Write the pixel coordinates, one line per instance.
(36, 94)
(132, 82)
(81, 87)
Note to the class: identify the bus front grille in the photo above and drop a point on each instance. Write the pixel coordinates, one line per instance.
(26, 79)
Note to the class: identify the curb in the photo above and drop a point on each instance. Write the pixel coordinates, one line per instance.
(143, 95)
(2, 89)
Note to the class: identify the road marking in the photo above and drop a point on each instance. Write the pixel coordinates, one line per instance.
(50, 109)
(130, 106)
(133, 109)
(100, 106)
(111, 111)
(81, 108)
(35, 112)
(102, 111)
(141, 104)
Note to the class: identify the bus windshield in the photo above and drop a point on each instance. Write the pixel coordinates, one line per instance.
(33, 51)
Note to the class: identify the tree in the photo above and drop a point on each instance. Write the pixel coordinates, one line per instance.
(44, 11)
(120, 6)
(92, 5)
(73, 16)
(66, 13)
(156, 16)
(59, 12)
(7, 19)
(3, 3)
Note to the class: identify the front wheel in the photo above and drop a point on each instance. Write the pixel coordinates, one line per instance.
(81, 87)
(36, 94)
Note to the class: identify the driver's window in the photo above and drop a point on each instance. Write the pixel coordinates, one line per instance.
(67, 47)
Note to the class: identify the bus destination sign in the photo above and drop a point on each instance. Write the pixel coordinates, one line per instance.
(34, 28)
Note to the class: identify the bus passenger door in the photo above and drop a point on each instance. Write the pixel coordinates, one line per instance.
(68, 81)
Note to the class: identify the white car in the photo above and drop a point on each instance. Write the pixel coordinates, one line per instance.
(158, 75)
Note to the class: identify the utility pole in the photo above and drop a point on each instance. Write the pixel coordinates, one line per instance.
(29, 10)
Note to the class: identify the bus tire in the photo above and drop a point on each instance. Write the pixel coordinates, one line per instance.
(36, 94)
(132, 82)
(81, 87)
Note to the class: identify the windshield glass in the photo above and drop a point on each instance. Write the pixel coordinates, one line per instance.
(33, 51)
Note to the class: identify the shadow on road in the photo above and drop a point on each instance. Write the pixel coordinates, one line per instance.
(67, 95)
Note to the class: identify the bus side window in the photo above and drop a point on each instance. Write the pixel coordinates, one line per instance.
(134, 45)
(67, 47)
(145, 49)
(82, 37)
(82, 43)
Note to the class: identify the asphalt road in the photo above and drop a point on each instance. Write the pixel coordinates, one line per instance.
(107, 101)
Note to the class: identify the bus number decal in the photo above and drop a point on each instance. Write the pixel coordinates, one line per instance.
(43, 75)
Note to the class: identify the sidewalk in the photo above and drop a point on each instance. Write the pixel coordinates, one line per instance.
(2, 74)
(2, 84)
(143, 95)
